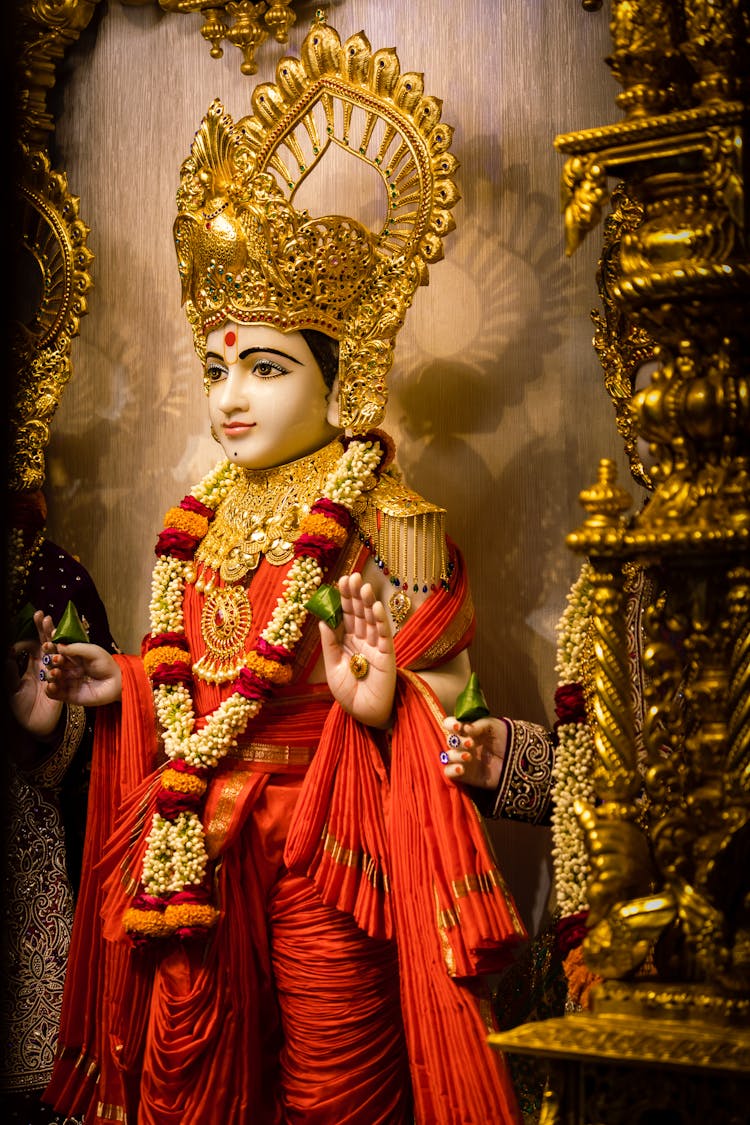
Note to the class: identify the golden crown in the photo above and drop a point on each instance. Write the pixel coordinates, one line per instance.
(244, 252)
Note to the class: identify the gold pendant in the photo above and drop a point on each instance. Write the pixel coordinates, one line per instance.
(240, 561)
(225, 622)
(399, 605)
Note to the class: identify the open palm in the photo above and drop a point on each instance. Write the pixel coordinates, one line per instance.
(364, 631)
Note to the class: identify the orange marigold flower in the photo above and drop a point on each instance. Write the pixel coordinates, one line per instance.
(269, 669)
(145, 923)
(164, 654)
(179, 782)
(191, 914)
(316, 524)
(580, 979)
(191, 522)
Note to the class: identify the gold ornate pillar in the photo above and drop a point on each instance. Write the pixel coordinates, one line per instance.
(668, 1036)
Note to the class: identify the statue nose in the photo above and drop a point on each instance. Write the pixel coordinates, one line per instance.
(235, 392)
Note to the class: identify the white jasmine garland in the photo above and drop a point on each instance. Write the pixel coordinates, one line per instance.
(167, 587)
(176, 855)
(574, 765)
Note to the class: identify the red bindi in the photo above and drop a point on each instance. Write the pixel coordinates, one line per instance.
(230, 339)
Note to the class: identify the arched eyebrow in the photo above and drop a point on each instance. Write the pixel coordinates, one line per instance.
(269, 351)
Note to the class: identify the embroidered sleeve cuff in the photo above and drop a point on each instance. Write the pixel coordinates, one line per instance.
(525, 789)
(51, 771)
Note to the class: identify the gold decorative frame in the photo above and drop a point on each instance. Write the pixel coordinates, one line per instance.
(669, 920)
(53, 268)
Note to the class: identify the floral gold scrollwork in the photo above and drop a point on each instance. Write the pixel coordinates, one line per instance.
(718, 47)
(622, 346)
(51, 261)
(584, 194)
(45, 30)
(669, 891)
(645, 57)
(738, 759)
(54, 279)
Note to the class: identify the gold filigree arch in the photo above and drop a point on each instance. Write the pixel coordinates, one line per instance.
(53, 276)
(51, 271)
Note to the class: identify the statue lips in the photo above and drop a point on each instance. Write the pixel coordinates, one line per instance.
(237, 429)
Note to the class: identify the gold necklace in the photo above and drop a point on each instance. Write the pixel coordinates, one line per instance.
(262, 514)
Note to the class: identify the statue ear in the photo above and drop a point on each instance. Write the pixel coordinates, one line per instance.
(332, 414)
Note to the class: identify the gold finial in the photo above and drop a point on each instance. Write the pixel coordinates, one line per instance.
(605, 501)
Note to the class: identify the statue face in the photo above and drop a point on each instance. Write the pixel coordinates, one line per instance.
(267, 399)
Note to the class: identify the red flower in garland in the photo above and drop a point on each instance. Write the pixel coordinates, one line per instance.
(164, 640)
(176, 543)
(184, 527)
(190, 504)
(171, 674)
(570, 704)
(253, 686)
(334, 511)
(570, 931)
(143, 901)
(166, 658)
(273, 652)
(170, 804)
(316, 547)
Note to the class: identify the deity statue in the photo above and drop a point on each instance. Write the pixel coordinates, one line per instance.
(289, 904)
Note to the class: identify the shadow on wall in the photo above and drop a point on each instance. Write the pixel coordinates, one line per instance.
(478, 406)
(479, 369)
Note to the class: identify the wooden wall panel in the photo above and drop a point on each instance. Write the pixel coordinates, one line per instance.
(497, 401)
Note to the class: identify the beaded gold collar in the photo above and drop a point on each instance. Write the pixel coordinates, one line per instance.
(262, 514)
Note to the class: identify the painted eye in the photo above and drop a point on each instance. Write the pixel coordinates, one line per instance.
(215, 372)
(268, 369)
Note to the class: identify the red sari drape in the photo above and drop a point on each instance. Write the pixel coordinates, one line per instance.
(392, 844)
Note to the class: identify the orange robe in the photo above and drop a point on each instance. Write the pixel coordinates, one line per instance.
(359, 902)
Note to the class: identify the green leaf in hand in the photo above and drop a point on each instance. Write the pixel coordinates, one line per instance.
(471, 704)
(24, 628)
(70, 628)
(326, 604)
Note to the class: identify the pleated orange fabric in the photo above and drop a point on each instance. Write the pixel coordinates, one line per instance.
(454, 920)
(343, 972)
(338, 836)
(407, 855)
(124, 751)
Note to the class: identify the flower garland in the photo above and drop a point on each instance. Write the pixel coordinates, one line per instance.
(573, 781)
(173, 898)
(574, 761)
